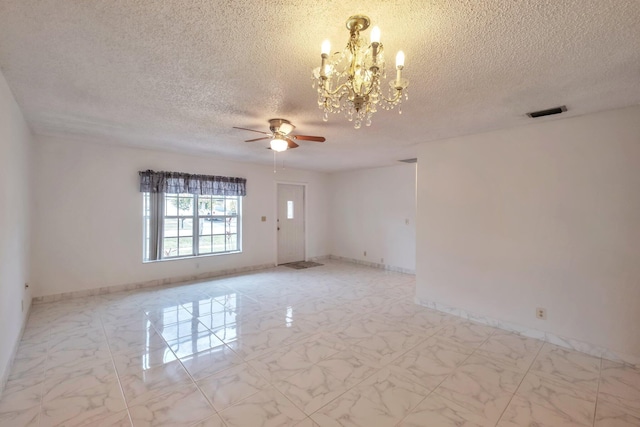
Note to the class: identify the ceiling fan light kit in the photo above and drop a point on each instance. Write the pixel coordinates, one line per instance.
(280, 135)
(279, 144)
(349, 81)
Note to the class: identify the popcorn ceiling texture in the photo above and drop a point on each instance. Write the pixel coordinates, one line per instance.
(177, 75)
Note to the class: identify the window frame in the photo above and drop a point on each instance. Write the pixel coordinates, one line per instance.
(197, 220)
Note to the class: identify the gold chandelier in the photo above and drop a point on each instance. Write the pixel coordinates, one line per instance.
(349, 81)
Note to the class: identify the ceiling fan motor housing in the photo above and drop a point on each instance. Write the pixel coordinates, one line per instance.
(281, 126)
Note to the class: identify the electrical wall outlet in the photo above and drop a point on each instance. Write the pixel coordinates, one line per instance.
(541, 313)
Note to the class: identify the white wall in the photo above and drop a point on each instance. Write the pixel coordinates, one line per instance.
(88, 226)
(546, 215)
(15, 163)
(369, 211)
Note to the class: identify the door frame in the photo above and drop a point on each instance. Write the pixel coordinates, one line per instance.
(305, 187)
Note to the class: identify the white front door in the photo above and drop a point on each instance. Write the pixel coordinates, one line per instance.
(290, 223)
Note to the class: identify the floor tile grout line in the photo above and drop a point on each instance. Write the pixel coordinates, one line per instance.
(332, 376)
(595, 409)
(44, 378)
(181, 364)
(193, 380)
(433, 391)
(115, 369)
(413, 409)
(45, 368)
(223, 370)
(205, 398)
(415, 382)
(453, 371)
(521, 381)
(269, 385)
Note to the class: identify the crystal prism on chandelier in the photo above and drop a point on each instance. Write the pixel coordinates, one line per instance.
(349, 81)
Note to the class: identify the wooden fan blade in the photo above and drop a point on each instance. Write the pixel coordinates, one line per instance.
(291, 143)
(309, 138)
(258, 139)
(253, 130)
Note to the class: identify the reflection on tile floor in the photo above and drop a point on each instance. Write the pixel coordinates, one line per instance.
(336, 345)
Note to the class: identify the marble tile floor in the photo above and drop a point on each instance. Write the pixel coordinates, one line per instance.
(336, 345)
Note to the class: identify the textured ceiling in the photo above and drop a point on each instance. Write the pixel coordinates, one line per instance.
(177, 75)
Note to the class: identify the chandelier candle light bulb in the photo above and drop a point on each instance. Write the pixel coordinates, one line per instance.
(375, 44)
(375, 35)
(349, 82)
(325, 50)
(399, 67)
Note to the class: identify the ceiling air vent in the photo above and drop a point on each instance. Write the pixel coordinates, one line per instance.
(549, 112)
(414, 160)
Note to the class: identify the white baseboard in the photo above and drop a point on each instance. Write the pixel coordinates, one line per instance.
(569, 343)
(148, 284)
(373, 264)
(202, 276)
(319, 258)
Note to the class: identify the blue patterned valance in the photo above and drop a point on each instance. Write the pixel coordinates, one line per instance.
(178, 182)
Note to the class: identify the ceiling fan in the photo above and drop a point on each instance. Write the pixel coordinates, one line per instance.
(280, 135)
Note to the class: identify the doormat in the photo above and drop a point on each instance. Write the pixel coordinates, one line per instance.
(299, 265)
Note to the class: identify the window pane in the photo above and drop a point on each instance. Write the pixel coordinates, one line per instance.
(205, 244)
(206, 225)
(146, 201)
(290, 209)
(170, 247)
(232, 242)
(186, 227)
(204, 205)
(185, 204)
(171, 204)
(218, 207)
(186, 246)
(231, 225)
(218, 225)
(170, 227)
(219, 243)
(232, 206)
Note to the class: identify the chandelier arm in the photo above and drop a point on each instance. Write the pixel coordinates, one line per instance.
(394, 99)
(330, 93)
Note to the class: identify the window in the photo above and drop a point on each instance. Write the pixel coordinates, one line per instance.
(189, 215)
(191, 225)
(289, 209)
